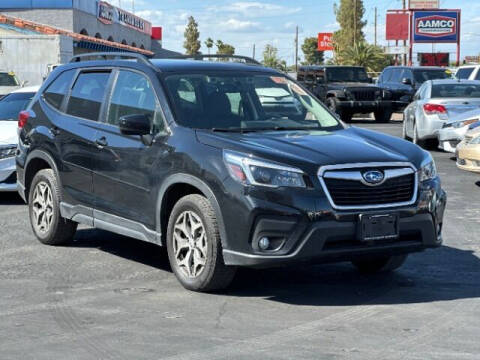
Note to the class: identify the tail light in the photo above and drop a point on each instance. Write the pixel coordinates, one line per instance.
(23, 119)
(433, 109)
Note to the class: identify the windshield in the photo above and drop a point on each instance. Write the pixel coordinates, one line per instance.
(424, 75)
(455, 91)
(245, 102)
(12, 104)
(347, 74)
(7, 79)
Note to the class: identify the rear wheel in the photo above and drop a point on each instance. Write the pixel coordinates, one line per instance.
(44, 208)
(416, 140)
(404, 130)
(194, 246)
(380, 264)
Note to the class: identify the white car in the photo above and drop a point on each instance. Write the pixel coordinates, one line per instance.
(8, 83)
(453, 131)
(434, 104)
(468, 72)
(10, 106)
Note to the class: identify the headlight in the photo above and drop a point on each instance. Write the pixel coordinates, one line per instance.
(461, 124)
(8, 151)
(250, 171)
(427, 171)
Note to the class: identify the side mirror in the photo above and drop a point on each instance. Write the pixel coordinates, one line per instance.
(137, 124)
(406, 81)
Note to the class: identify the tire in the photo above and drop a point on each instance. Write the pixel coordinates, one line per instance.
(383, 116)
(415, 138)
(380, 264)
(404, 130)
(44, 209)
(210, 272)
(331, 103)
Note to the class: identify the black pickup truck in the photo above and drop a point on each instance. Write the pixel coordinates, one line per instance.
(347, 90)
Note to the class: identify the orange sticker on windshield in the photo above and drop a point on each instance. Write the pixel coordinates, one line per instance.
(278, 79)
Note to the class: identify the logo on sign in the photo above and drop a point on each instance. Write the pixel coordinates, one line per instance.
(436, 26)
(106, 13)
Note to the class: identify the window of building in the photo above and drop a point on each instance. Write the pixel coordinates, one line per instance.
(57, 90)
(87, 95)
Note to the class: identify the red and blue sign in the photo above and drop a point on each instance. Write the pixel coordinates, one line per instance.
(436, 26)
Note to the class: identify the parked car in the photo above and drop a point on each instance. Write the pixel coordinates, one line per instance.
(468, 151)
(10, 107)
(454, 130)
(436, 102)
(468, 72)
(155, 150)
(404, 81)
(8, 83)
(346, 90)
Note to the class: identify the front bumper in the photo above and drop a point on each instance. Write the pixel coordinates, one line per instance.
(331, 236)
(8, 180)
(363, 107)
(468, 157)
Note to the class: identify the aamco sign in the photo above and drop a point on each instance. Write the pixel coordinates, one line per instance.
(436, 26)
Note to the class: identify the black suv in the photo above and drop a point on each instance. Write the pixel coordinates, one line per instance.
(403, 82)
(346, 90)
(214, 161)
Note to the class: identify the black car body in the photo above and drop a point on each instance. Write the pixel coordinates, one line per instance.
(346, 90)
(301, 188)
(402, 82)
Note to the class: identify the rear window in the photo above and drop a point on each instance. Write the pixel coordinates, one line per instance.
(456, 91)
(464, 73)
(12, 104)
(7, 79)
(87, 95)
(424, 75)
(57, 90)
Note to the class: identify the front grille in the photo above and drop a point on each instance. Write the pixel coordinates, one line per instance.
(363, 94)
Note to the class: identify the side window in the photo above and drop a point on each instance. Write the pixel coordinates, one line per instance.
(477, 77)
(464, 73)
(134, 95)
(386, 75)
(57, 90)
(87, 95)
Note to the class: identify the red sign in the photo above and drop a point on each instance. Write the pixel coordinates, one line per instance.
(434, 59)
(325, 42)
(398, 26)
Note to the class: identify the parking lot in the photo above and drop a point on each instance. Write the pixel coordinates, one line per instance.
(110, 297)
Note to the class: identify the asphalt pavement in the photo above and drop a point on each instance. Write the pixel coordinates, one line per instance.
(109, 297)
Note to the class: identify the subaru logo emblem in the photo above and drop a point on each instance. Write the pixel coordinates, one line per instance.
(373, 177)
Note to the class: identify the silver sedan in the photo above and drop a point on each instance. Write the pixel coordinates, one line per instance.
(434, 104)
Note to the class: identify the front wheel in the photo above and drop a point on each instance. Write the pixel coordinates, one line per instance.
(380, 264)
(194, 246)
(383, 116)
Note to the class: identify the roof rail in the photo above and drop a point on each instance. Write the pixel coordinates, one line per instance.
(233, 58)
(114, 56)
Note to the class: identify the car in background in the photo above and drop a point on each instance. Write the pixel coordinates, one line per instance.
(8, 83)
(455, 129)
(404, 81)
(468, 72)
(468, 151)
(435, 103)
(346, 90)
(10, 107)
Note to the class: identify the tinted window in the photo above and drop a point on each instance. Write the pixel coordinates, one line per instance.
(424, 75)
(12, 104)
(133, 95)
(456, 91)
(396, 76)
(478, 76)
(347, 74)
(7, 79)
(386, 75)
(87, 95)
(57, 90)
(464, 73)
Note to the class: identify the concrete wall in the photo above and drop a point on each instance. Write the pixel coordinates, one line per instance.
(60, 18)
(29, 56)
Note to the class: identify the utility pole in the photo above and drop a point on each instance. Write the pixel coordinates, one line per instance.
(133, 7)
(405, 41)
(296, 49)
(253, 52)
(354, 22)
(375, 26)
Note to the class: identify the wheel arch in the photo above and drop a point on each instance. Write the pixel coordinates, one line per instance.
(36, 161)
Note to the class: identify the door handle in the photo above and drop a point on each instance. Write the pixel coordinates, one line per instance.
(101, 142)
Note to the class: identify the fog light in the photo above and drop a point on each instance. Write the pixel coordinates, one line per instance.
(264, 243)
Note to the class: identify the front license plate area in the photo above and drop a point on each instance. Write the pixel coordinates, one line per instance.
(379, 227)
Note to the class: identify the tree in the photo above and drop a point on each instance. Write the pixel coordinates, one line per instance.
(209, 44)
(224, 49)
(363, 54)
(310, 50)
(270, 57)
(351, 24)
(192, 43)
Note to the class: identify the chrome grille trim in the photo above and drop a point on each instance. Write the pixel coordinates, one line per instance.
(336, 171)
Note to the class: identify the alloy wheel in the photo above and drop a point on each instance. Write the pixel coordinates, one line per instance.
(42, 208)
(190, 244)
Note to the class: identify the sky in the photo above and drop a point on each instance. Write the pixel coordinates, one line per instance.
(245, 23)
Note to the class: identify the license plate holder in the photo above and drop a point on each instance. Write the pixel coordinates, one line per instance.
(379, 227)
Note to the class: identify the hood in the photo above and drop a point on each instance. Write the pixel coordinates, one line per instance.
(343, 85)
(310, 149)
(8, 132)
(5, 90)
(468, 115)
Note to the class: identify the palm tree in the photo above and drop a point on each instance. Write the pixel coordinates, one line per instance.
(209, 44)
(363, 54)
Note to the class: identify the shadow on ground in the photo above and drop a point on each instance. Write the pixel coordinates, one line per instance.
(11, 198)
(441, 274)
